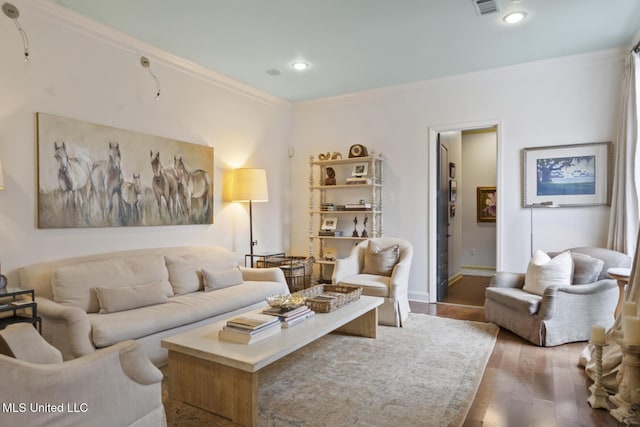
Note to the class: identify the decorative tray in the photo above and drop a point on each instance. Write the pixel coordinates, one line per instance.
(326, 298)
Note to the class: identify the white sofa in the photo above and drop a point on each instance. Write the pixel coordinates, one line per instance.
(163, 286)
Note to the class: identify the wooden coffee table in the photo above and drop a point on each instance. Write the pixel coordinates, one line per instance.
(222, 377)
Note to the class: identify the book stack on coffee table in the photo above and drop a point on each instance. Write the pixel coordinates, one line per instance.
(249, 328)
(290, 316)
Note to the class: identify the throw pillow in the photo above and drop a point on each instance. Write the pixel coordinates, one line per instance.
(543, 271)
(112, 300)
(380, 261)
(183, 275)
(586, 268)
(219, 279)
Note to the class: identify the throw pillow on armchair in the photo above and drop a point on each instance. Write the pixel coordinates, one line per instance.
(544, 271)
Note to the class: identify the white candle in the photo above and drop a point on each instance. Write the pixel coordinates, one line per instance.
(631, 330)
(598, 335)
(629, 308)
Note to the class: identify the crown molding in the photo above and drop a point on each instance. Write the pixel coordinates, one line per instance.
(99, 31)
(579, 60)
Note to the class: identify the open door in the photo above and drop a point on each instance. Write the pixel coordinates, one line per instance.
(443, 221)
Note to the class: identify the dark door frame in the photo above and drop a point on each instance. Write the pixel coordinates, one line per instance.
(432, 191)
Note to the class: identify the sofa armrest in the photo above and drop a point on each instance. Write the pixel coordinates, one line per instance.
(66, 328)
(272, 274)
(505, 279)
(117, 385)
(559, 296)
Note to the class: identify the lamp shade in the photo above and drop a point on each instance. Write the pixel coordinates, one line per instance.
(250, 185)
(1, 177)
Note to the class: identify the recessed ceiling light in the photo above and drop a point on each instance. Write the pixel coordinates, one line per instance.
(514, 17)
(300, 66)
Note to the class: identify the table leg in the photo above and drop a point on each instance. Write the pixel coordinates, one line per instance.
(223, 390)
(621, 285)
(365, 325)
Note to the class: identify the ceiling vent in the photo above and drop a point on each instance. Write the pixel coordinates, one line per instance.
(485, 7)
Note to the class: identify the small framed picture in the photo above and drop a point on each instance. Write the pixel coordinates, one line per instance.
(360, 169)
(486, 200)
(453, 190)
(329, 223)
(452, 170)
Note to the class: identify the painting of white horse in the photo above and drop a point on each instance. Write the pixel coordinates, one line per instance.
(90, 175)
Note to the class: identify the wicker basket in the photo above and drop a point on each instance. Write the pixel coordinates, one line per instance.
(346, 295)
(297, 270)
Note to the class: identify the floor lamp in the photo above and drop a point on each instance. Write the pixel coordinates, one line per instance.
(250, 185)
(547, 204)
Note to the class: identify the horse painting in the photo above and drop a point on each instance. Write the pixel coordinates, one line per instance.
(165, 185)
(194, 185)
(132, 200)
(73, 178)
(107, 180)
(102, 176)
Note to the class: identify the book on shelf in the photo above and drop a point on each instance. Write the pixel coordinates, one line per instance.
(252, 321)
(357, 207)
(245, 336)
(336, 233)
(358, 180)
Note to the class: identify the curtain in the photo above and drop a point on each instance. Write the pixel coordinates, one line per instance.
(624, 218)
(624, 232)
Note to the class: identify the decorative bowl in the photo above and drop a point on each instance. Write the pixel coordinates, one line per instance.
(285, 301)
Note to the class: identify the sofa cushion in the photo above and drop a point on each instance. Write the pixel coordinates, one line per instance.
(372, 284)
(218, 279)
(108, 329)
(112, 300)
(586, 268)
(544, 271)
(378, 260)
(185, 272)
(514, 298)
(74, 285)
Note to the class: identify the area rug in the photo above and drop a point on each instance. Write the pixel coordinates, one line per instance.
(424, 374)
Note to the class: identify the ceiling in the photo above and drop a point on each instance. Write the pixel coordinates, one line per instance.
(356, 45)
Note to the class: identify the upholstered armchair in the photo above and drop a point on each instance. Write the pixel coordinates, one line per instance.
(379, 275)
(558, 314)
(115, 386)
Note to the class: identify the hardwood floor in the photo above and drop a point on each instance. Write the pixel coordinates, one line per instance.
(525, 385)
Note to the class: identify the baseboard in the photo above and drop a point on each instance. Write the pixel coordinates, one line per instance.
(453, 279)
(478, 270)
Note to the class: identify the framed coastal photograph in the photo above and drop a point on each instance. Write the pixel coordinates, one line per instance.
(90, 175)
(360, 169)
(567, 175)
(486, 200)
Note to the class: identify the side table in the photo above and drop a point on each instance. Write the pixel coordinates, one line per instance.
(10, 302)
(622, 276)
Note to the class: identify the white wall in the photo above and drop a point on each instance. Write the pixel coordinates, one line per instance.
(561, 101)
(79, 69)
(478, 169)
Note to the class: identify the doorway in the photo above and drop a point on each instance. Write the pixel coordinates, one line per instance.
(462, 204)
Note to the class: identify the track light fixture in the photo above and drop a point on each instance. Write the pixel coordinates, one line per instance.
(144, 61)
(12, 12)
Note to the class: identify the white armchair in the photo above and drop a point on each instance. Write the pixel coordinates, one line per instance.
(115, 386)
(394, 288)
